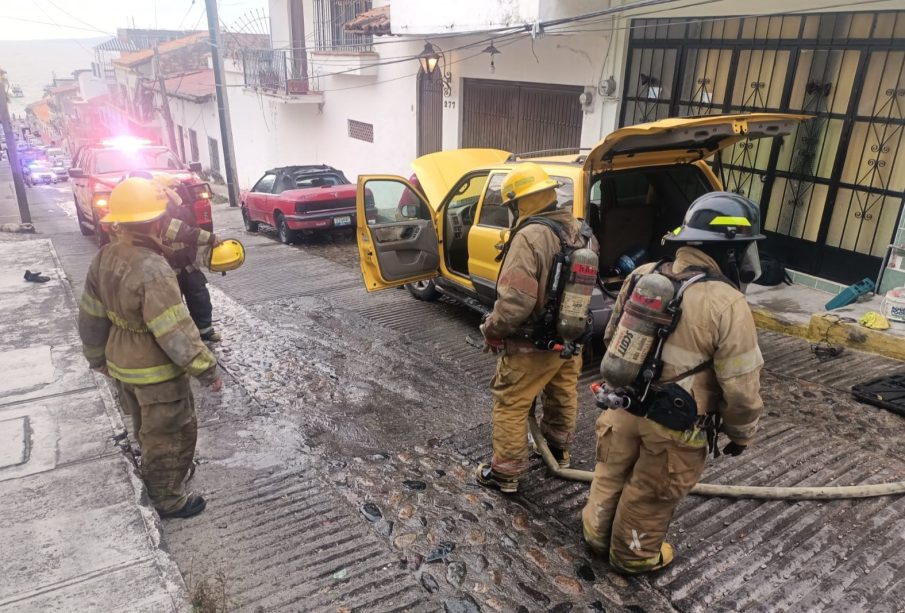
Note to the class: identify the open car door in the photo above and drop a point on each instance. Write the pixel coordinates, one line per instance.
(397, 236)
(684, 139)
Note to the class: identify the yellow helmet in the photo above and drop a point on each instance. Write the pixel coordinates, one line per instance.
(136, 200)
(228, 255)
(527, 178)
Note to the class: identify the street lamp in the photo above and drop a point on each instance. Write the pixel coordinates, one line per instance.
(430, 58)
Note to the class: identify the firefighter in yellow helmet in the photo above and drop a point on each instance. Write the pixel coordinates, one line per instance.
(543, 228)
(136, 329)
(651, 450)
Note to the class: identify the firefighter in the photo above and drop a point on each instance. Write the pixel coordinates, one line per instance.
(643, 467)
(524, 370)
(182, 238)
(136, 329)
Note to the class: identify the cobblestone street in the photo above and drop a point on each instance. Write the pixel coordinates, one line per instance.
(338, 461)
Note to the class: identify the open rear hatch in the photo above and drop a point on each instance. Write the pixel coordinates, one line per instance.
(684, 140)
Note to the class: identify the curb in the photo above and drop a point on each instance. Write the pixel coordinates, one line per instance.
(835, 330)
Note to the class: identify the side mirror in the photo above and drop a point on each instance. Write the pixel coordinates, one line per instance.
(77, 173)
(195, 167)
(409, 211)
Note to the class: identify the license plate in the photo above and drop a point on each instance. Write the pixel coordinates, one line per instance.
(345, 220)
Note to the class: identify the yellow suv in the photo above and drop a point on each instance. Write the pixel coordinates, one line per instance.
(440, 233)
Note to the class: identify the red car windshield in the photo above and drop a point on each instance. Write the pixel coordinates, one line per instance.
(125, 160)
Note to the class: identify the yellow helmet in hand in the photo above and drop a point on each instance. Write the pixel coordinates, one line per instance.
(228, 255)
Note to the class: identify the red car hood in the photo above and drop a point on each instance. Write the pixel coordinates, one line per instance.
(112, 178)
(320, 194)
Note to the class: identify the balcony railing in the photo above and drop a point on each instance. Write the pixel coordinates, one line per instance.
(330, 17)
(276, 71)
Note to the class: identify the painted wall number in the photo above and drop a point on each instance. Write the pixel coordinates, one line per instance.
(449, 104)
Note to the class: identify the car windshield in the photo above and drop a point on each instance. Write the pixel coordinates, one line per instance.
(125, 160)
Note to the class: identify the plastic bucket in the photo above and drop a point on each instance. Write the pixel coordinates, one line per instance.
(893, 305)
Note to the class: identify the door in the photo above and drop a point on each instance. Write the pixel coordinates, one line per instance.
(832, 193)
(430, 113)
(521, 117)
(258, 199)
(397, 238)
(487, 237)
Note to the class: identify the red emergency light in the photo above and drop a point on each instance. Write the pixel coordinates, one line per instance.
(126, 142)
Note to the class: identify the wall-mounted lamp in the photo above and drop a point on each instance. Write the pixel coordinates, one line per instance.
(430, 59)
(492, 50)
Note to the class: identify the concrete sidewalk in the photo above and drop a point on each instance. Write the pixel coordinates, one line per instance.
(77, 530)
(800, 311)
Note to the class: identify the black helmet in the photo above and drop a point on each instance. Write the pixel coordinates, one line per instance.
(719, 217)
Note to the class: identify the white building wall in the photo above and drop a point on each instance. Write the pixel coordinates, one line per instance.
(202, 118)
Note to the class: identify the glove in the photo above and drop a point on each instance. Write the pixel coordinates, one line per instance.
(734, 449)
(492, 345)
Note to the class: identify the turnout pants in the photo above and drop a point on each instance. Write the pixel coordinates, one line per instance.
(163, 415)
(193, 285)
(519, 378)
(643, 471)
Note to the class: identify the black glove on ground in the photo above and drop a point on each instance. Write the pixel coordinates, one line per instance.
(734, 449)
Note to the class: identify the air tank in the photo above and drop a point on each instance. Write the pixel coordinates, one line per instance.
(643, 313)
(572, 322)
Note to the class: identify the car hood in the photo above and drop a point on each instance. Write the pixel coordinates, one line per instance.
(112, 178)
(438, 172)
(320, 194)
(684, 140)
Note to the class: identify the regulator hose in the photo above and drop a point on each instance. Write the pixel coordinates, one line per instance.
(732, 491)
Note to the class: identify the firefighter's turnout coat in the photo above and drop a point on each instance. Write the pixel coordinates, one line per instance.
(132, 317)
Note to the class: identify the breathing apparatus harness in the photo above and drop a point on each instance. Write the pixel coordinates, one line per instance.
(544, 334)
(663, 400)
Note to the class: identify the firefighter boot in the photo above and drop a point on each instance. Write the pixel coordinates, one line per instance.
(488, 478)
(666, 558)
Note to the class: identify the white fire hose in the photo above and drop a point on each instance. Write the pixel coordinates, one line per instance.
(731, 491)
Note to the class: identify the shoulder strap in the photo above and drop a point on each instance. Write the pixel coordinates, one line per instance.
(536, 220)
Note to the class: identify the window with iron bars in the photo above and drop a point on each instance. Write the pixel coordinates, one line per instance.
(330, 17)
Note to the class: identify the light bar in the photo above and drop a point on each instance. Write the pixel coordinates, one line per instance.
(126, 142)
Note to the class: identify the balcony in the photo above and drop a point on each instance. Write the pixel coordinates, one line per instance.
(279, 74)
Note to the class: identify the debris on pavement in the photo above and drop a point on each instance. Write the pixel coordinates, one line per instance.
(36, 277)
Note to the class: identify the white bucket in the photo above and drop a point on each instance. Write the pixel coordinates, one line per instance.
(893, 305)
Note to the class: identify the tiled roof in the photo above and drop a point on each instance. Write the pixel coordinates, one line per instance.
(40, 110)
(130, 60)
(195, 86)
(375, 21)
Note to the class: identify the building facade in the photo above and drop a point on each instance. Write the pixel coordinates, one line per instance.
(529, 75)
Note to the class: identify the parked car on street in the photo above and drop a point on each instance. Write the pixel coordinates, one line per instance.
(39, 173)
(98, 168)
(442, 237)
(300, 199)
(60, 170)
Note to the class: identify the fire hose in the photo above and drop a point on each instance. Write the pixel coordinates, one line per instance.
(838, 492)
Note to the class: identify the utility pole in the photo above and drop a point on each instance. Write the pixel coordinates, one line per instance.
(165, 104)
(12, 154)
(226, 136)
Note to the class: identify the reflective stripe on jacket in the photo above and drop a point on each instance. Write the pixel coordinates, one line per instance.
(132, 317)
(182, 237)
(716, 324)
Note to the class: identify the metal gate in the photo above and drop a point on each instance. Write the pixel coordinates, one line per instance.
(520, 117)
(831, 194)
(430, 113)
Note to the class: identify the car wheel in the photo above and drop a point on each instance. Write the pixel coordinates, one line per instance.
(287, 236)
(251, 226)
(83, 224)
(423, 290)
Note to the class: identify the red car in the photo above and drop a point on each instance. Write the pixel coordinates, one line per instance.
(296, 199)
(98, 168)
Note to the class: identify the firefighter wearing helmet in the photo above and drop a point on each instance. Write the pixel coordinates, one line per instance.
(668, 394)
(136, 329)
(537, 326)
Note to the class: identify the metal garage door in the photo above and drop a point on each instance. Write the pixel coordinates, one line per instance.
(520, 117)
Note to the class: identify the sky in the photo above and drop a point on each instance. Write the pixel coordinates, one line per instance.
(74, 19)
